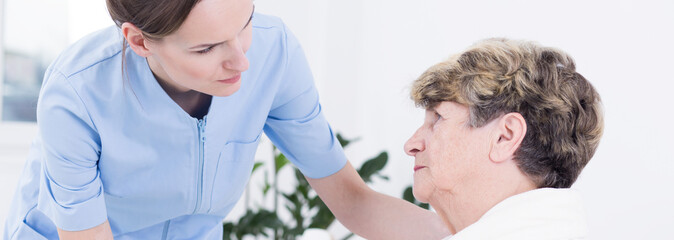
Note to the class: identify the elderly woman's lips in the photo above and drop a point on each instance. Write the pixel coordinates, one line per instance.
(418, 167)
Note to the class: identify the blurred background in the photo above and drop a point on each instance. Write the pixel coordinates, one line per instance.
(365, 54)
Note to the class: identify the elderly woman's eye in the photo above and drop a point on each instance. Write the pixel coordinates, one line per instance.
(437, 116)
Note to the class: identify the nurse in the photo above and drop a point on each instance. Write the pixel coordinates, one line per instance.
(148, 130)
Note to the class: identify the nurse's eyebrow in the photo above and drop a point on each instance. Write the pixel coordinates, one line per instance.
(249, 19)
(206, 45)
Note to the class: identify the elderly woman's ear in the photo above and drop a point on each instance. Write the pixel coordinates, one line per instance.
(508, 132)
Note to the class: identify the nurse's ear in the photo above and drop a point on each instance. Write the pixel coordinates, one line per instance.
(134, 36)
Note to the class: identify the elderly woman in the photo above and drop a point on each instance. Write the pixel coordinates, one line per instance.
(509, 126)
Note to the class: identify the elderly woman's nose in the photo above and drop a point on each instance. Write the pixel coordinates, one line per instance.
(415, 144)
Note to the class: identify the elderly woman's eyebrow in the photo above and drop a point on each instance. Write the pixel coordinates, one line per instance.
(436, 108)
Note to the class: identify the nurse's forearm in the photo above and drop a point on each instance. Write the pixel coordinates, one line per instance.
(374, 215)
(100, 232)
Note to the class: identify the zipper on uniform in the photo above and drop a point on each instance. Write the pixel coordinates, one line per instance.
(200, 174)
(165, 233)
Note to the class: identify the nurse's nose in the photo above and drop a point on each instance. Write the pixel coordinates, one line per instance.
(415, 144)
(237, 61)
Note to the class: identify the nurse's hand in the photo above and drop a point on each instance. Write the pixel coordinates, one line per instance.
(373, 215)
(100, 232)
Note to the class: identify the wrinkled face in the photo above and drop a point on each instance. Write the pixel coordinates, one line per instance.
(447, 151)
(207, 53)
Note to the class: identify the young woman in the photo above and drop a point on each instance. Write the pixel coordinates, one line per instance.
(148, 130)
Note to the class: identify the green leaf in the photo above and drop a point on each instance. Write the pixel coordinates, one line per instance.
(348, 236)
(246, 225)
(301, 180)
(322, 219)
(296, 211)
(280, 161)
(408, 194)
(313, 202)
(292, 233)
(228, 229)
(256, 166)
(344, 142)
(383, 176)
(291, 197)
(373, 166)
(268, 219)
(256, 223)
(266, 186)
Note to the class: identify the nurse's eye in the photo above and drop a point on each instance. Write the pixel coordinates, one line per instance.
(206, 50)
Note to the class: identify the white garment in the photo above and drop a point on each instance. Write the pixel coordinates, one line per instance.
(546, 213)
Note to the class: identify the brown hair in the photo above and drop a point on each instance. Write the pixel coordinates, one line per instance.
(155, 18)
(561, 108)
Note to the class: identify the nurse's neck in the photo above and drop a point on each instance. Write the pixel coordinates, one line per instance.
(194, 103)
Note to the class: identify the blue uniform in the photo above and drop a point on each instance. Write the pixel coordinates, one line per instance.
(120, 149)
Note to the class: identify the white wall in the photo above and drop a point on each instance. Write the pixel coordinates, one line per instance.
(365, 54)
(2, 56)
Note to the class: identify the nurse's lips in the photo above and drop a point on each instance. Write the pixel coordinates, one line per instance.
(231, 80)
(417, 167)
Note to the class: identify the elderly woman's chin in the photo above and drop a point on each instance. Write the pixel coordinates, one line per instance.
(422, 188)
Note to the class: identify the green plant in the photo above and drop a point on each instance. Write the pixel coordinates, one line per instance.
(303, 204)
(409, 196)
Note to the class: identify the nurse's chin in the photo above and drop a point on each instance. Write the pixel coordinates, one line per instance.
(225, 91)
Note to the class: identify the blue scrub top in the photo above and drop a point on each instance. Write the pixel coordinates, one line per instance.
(122, 150)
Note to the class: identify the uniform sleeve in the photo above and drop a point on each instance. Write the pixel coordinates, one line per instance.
(71, 193)
(296, 124)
